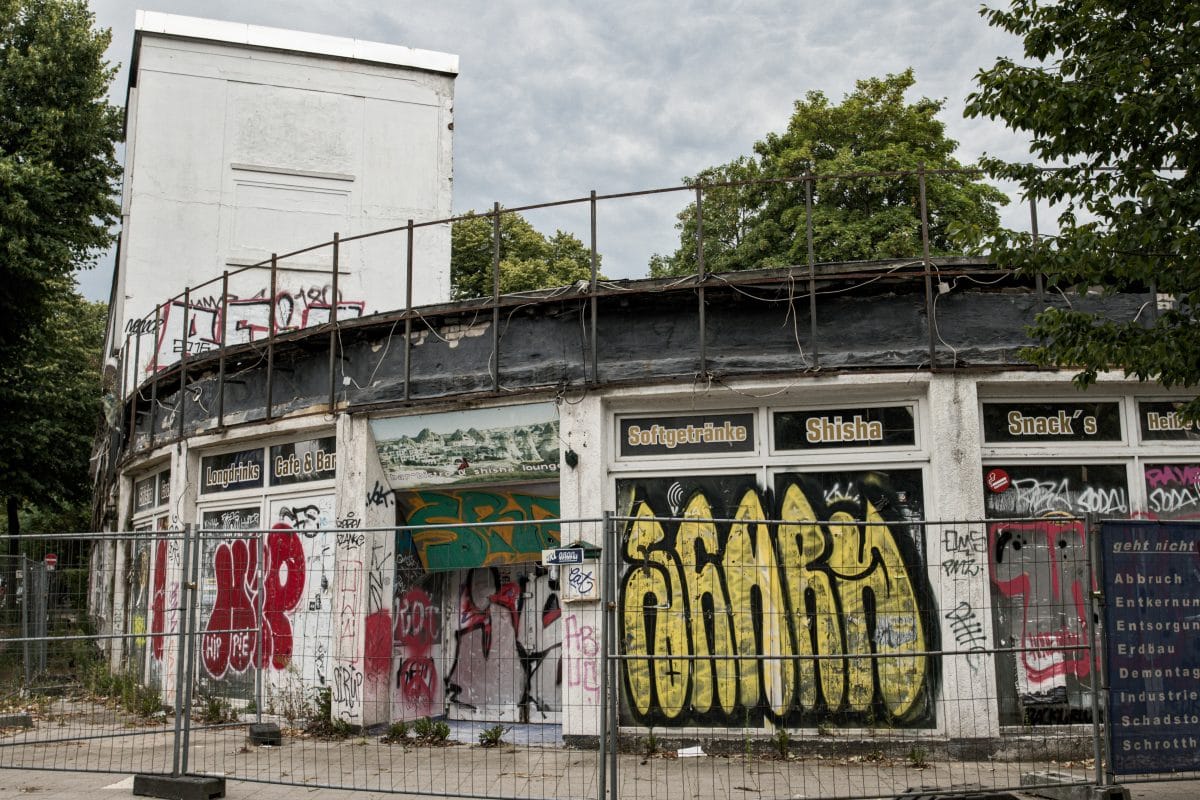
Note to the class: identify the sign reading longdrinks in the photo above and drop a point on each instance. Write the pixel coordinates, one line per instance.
(230, 471)
(1152, 615)
(721, 432)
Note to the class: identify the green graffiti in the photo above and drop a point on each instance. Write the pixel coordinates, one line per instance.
(485, 544)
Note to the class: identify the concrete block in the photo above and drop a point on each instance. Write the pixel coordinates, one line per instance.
(16, 721)
(1070, 788)
(267, 733)
(181, 787)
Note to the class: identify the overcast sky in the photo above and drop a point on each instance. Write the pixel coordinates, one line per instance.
(554, 99)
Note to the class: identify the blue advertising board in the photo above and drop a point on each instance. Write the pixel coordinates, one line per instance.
(1152, 650)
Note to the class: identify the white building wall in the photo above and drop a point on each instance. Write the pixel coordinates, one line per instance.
(243, 142)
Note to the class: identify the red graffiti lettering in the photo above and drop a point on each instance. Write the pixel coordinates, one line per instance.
(377, 650)
(232, 638)
(158, 605)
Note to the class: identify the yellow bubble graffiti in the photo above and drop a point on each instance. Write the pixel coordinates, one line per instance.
(801, 596)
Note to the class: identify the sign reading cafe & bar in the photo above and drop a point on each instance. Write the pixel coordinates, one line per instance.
(310, 460)
(719, 432)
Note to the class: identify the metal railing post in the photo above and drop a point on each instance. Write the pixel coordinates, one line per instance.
(809, 181)
(700, 276)
(333, 319)
(408, 307)
(224, 345)
(159, 322)
(496, 297)
(929, 321)
(592, 291)
(271, 337)
(181, 406)
(180, 648)
(258, 635)
(133, 396)
(1033, 227)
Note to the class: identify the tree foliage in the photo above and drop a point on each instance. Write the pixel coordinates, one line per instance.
(529, 260)
(1111, 90)
(58, 174)
(749, 225)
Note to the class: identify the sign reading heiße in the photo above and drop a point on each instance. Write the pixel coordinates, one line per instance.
(719, 432)
(1152, 618)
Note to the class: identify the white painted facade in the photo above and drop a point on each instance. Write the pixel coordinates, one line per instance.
(242, 141)
(948, 458)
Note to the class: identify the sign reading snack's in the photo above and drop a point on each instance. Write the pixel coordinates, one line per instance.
(1051, 422)
(297, 462)
(231, 471)
(1161, 422)
(684, 435)
(888, 426)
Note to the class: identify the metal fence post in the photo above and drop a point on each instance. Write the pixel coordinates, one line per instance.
(610, 648)
(25, 584)
(193, 593)
(1095, 608)
(602, 739)
(180, 645)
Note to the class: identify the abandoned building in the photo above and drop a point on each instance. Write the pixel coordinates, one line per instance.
(320, 399)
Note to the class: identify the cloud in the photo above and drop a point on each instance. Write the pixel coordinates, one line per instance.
(556, 99)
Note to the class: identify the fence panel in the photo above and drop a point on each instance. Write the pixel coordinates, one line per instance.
(88, 634)
(861, 657)
(383, 676)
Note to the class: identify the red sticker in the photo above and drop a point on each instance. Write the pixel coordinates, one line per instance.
(997, 480)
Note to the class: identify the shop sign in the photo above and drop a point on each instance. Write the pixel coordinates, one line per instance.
(716, 433)
(1152, 622)
(164, 487)
(298, 462)
(143, 494)
(152, 491)
(886, 426)
(483, 445)
(231, 471)
(1051, 422)
(1160, 422)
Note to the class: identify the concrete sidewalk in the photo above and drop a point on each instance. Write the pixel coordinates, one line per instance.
(72, 741)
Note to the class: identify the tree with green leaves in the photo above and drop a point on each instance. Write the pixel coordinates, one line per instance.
(1110, 91)
(874, 129)
(58, 181)
(528, 259)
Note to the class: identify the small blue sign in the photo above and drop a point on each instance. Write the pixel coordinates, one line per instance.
(1152, 625)
(562, 555)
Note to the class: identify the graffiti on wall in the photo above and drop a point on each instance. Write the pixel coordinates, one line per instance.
(270, 607)
(418, 614)
(246, 320)
(1039, 583)
(506, 630)
(766, 616)
(485, 544)
(1173, 491)
(1040, 568)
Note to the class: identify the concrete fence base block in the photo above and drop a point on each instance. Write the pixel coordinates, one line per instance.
(16, 721)
(181, 787)
(265, 733)
(1070, 788)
